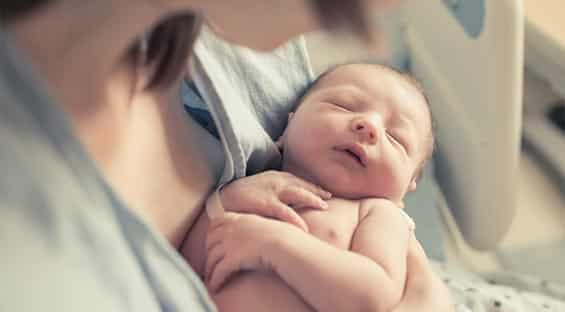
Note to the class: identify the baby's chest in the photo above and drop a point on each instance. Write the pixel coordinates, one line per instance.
(336, 225)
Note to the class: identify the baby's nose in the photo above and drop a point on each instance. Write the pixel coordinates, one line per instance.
(367, 127)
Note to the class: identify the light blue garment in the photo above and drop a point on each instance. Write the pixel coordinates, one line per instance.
(195, 106)
(66, 241)
(249, 94)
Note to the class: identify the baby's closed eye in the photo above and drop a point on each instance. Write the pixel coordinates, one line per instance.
(341, 105)
(396, 140)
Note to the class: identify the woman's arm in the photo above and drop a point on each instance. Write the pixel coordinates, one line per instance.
(329, 279)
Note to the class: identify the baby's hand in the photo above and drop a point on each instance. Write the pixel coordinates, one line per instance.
(238, 242)
(274, 194)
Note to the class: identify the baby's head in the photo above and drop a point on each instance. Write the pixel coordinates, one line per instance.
(360, 130)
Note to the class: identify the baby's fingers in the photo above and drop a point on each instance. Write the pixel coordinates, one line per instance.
(215, 235)
(302, 198)
(213, 257)
(220, 273)
(313, 188)
(282, 212)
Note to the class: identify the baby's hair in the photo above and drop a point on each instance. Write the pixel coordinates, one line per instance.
(409, 79)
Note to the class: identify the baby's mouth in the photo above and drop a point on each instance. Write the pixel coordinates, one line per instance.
(352, 154)
(356, 152)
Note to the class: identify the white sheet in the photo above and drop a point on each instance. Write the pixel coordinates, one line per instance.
(501, 291)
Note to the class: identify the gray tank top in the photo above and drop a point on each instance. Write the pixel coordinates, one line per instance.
(67, 242)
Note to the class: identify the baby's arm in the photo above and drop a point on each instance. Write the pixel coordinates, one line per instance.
(383, 235)
(370, 277)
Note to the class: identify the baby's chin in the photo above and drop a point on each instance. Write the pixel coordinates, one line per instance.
(351, 188)
(341, 188)
(347, 193)
(338, 183)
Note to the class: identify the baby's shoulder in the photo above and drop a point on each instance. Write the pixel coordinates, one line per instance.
(367, 205)
(361, 206)
(380, 205)
(341, 206)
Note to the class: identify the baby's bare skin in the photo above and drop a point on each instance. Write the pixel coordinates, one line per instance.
(358, 135)
(265, 291)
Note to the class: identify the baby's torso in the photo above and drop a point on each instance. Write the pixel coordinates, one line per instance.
(336, 226)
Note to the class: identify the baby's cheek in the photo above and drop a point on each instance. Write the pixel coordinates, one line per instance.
(389, 181)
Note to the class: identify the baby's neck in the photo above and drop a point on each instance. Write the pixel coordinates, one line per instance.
(303, 174)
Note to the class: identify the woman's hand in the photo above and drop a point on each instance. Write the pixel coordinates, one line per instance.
(237, 242)
(274, 194)
(424, 290)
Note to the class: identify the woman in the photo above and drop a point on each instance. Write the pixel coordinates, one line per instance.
(111, 70)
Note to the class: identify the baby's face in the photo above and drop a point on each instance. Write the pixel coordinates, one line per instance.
(361, 132)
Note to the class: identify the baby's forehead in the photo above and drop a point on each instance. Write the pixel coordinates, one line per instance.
(375, 80)
(347, 72)
(374, 83)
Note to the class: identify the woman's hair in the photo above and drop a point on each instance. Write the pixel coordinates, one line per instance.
(170, 43)
(11, 9)
(166, 49)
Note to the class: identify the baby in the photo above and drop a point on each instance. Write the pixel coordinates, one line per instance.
(362, 132)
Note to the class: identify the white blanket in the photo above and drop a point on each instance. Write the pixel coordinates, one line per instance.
(501, 291)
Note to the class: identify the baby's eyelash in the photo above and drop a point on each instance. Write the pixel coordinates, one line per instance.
(341, 106)
(392, 137)
(397, 141)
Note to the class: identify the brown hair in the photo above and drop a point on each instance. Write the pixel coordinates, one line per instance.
(168, 48)
(168, 45)
(171, 42)
(11, 9)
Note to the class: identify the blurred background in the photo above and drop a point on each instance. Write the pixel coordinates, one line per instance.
(535, 241)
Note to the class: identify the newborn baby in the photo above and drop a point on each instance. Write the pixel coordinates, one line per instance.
(363, 132)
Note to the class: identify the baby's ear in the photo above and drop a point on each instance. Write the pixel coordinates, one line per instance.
(413, 185)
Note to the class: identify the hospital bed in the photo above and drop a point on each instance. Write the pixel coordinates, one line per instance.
(469, 56)
(545, 59)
